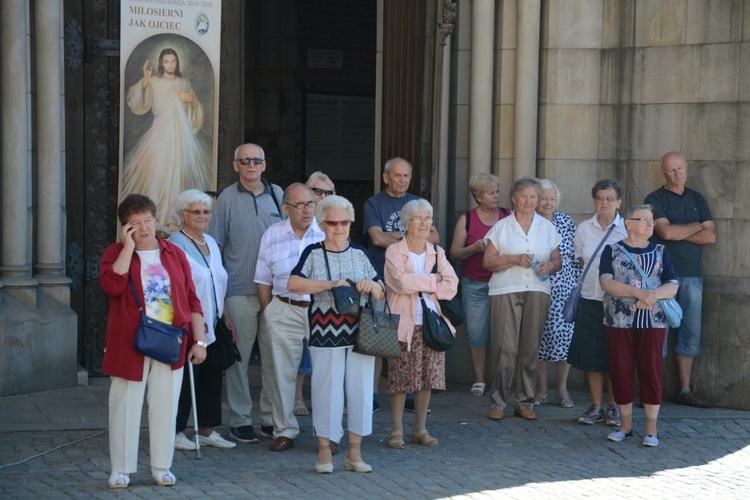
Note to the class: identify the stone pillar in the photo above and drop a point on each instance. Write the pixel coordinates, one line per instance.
(15, 270)
(527, 87)
(50, 165)
(482, 57)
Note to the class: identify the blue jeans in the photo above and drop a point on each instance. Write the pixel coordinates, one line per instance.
(476, 302)
(690, 298)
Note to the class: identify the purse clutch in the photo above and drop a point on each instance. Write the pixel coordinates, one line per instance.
(222, 352)
(570, 308)
(436, 333)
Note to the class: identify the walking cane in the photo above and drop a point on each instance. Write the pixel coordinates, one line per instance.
(195, 411)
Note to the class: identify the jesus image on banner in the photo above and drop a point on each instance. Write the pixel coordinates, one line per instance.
(169, 156)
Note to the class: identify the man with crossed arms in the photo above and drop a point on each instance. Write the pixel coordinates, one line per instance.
(285, 313)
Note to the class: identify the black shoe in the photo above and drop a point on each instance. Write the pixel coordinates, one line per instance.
(243, 434)
(375, 406)
(266, 431)
(409, 406)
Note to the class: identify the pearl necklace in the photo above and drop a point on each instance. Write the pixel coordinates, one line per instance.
(196, 241)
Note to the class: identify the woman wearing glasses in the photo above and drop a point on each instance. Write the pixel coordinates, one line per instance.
(321, 186)
(408, 271)
(193, 209)
(338, 369)
(634, 322)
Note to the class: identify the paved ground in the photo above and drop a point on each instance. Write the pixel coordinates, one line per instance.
(704, 453)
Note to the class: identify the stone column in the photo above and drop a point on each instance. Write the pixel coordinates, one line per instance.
(50, 165)
(527, 87)
(15, 271)
(482, 58)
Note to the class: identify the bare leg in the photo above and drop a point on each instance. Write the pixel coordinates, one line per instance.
(378, 371)
(652, 413)
(596, 387)
(421, 403)
(397, 411)
(541, 379)
(354, 453)
(478, 357)
(626, 416)
(324, 451)
(684, 371)
(610, 392)
(563, 368)
(300, 384)
(205, 431)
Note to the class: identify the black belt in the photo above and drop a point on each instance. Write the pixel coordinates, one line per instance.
(300, 303)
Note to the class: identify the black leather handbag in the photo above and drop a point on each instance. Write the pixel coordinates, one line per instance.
(435, 331)
(451, 308)
(156, 339)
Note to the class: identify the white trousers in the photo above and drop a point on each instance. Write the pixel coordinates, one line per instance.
(247, 319)
(334, 372)
(287, 327)
(126, 406)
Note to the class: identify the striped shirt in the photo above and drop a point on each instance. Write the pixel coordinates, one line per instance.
(280, 249)
(239, 221)
(588, 236)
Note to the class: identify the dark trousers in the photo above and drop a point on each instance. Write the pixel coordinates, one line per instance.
(207, 397)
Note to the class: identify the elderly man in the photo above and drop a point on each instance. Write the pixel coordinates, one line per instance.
(242, 214)
(285, 313)
(683, 223)
(382, 228)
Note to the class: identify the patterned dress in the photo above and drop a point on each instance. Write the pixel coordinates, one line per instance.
(557, 332)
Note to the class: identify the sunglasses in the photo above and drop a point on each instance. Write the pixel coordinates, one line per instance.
(198, 212)
(334, 223)
(321, 192)
(246, 161)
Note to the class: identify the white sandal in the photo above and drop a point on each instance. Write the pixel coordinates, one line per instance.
(118, 480)
(478, 389)
(163, 477)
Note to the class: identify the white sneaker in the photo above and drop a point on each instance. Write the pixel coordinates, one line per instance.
(216, 441)
(182, 443)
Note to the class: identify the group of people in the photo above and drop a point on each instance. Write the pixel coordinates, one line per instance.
(263, 261)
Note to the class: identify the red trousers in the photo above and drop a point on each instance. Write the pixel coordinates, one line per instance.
(631, 348)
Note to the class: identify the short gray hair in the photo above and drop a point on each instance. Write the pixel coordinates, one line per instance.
(291, 187)
(387, 165)
(548, 184)
(632, 210)
(333, 202)
(319, 176)
(523, 183)
(481, 183)
(409, 211)
(190, 197)
(237, 149)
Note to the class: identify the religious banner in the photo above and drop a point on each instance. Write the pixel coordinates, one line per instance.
(169, 100)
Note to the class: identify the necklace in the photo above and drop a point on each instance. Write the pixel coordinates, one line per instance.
(198, 242)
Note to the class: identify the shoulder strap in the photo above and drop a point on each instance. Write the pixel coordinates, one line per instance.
(325, 257)
(596, 252)
(468, 220)
(646, 281)
(216, 300)
(434, 268)
(135, 295)
(275, 200)
(505, 211)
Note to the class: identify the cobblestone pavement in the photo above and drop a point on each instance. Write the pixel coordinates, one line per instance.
(703, 453)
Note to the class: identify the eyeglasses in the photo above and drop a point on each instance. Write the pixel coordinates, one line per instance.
(321, 192)
(642, 219)
(610, 199)
(334, 223)
(198, 212)
(299, 206)
(246, 161)
(420, 220)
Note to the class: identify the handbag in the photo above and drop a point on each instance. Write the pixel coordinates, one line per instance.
(345, 298)
(222, 352)
(378, 332)
(670, 307)
(570, 308)
(435, 331)
(156, 339)
(451, 308)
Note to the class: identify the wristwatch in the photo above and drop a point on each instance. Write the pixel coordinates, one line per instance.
(202, 343)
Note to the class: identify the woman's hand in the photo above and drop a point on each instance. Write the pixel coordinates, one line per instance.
(648, 297)
(639, 304)
(365, 285)
(339, 283)
(525, 260)
(230, 325)
(197, 354)
(127, 236)
(479, 246)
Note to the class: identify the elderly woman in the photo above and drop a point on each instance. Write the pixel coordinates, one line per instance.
(468, 247)
(193, 210)
(338, 369)
(557, 332)
(408, 271)
(588, 348)
(159, 273)
(635, 324)
(321, 186)
(522, 251)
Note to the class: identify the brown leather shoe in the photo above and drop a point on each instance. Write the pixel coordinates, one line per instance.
(525, 414)
(690, 399)
(496, 415)
(282, 443)
(334, 447)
